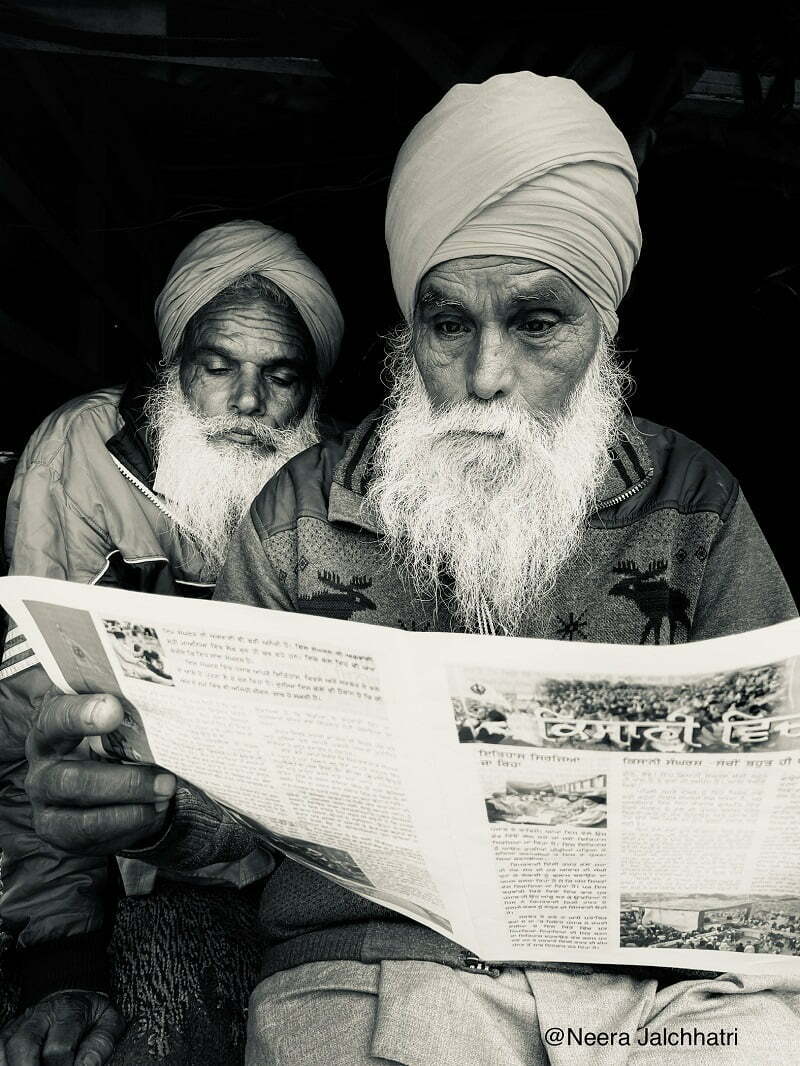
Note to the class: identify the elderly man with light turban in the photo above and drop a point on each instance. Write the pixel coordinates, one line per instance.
(503, 489)
(142, 487)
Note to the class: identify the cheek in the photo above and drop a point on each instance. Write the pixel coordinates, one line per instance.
(543, 390)
(444, 377)
(206, 396)
(281, 405)
(446, 384)
(547, 380)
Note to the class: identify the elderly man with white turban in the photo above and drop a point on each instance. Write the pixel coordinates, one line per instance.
(142, 488)
(503, 489)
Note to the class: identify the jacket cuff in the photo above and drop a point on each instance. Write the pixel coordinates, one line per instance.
(200, 832)
(55, 965)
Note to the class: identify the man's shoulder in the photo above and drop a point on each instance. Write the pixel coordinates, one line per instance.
(93, 415)
(686, 476)
(300, 489)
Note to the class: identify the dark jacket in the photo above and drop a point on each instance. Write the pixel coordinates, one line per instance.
(672, 553)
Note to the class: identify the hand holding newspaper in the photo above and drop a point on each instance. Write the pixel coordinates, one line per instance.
(531, 800)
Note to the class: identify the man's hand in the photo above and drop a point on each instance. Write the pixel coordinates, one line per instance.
(64, 1029)
(84, 806)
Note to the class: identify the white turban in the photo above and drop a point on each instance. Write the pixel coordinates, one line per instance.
(219, 256)
(520, 166)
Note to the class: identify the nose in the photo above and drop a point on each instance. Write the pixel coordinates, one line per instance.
(491, 373)
(248, 396)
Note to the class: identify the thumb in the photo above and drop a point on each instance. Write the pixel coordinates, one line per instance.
(64, 720)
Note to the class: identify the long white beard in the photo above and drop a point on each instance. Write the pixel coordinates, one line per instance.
(487, 496)
(209, 482)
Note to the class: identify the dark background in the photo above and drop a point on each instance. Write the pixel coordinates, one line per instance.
(129, 127)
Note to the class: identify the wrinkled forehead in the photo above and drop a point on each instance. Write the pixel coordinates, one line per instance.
(472, 281)
(239, 319)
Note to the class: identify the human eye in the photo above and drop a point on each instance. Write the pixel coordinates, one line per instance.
(538, 323)
(450, 327)
(284, 379)
(215, 366)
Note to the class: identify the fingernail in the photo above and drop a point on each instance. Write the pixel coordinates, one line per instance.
(95, 713)
(161, 806)
(91, 1058)
(164, 785)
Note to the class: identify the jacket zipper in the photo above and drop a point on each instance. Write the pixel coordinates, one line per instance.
(625, 495)
(151, 496)
(475, 965)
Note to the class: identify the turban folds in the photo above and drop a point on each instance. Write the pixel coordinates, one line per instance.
(219, 256)
(519, 166)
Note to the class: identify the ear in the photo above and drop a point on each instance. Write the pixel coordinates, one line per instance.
(186, 368)
(184, 353)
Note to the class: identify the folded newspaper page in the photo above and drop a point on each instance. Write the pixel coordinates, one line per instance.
(531, 800)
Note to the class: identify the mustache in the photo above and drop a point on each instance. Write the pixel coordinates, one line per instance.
(220, 425)
(495, 418)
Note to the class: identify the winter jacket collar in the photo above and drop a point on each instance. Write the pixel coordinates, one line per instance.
(129, 445)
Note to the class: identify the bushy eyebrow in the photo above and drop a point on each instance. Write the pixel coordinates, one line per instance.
(541, 294)
(212, 349)
(292, 361)
(435, 300)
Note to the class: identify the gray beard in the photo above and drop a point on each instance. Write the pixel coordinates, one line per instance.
(488, 494)
(209, 482)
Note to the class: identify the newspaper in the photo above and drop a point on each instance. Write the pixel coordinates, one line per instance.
(531, 800)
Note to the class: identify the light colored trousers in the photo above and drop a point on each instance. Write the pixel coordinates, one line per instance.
(425, 1014)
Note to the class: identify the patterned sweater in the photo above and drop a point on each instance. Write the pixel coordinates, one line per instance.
(672, 553)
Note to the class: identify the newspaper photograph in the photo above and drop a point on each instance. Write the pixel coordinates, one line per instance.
(530, 800)
(739, 710)
(757, 924)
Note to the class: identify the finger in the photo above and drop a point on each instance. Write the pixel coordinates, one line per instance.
(25, 1045)
(96, 1048)
(99, 830)
(65, 720)
(6, 1033)
(67, 783)
(62, 1038)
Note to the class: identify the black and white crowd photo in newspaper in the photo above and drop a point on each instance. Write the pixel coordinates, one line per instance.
(399, 642)
(754, 925)
(734, 711)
